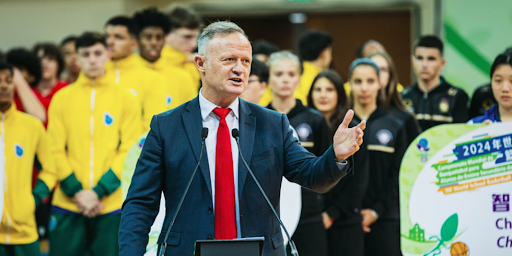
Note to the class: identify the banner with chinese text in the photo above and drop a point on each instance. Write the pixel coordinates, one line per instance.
(455, 185)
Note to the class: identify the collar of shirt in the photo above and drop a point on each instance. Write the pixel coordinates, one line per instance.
(207, 107)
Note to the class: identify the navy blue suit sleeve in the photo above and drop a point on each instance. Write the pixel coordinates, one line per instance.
(302, 167)
(143, 200)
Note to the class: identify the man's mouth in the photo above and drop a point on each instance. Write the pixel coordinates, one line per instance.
(153, 52)
(238, 80)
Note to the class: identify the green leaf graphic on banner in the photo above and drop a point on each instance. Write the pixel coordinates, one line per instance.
(449, 228)
(448, 232)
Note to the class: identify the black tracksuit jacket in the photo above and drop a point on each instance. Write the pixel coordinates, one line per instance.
(482, 100)
(314, 135)
(375, 183)
(444, 104)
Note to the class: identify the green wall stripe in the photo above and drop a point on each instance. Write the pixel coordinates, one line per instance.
(466, 49)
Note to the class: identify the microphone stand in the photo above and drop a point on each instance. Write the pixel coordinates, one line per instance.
(204, 134)
(236, 134)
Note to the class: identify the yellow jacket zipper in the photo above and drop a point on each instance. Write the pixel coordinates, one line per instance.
(91, 161)
(118, 72)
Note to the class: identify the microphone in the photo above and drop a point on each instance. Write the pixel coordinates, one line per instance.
(236, 134)
(204, 134)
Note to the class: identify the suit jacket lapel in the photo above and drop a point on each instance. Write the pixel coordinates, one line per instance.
(193, 124)
(247, 136)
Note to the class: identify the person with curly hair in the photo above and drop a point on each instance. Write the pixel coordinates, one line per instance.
(153, 27)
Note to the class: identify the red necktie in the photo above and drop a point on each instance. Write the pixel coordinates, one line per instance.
(225, 220)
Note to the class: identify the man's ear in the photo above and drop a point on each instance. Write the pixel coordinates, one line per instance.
(134, 45)
(325, 52)
(109, 55)
(200, 62)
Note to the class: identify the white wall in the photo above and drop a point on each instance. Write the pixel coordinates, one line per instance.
(24, 22)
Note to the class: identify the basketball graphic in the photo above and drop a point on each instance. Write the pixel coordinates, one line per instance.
(459, 249)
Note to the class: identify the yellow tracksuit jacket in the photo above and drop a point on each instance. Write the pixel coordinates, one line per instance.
(180, 85)
(23, 137)
(93, 124)
(179, 59)
(306, 79)
(146, 84)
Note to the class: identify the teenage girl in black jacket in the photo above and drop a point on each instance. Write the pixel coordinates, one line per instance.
(384, 145)
(311, 127)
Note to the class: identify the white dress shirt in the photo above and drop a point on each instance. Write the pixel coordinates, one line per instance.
(211, 121)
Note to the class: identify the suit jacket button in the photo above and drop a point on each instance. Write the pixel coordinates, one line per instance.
(210, 210)
(209, 238)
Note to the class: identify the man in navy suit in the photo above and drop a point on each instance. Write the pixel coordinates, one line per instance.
(223, 202)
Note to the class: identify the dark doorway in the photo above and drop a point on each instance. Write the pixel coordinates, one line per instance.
(391, 28)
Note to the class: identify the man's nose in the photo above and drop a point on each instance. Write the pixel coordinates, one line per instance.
(193, 43)
(153, 41)
(238, 68)
(92, 59)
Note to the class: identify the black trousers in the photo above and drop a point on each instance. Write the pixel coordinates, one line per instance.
(310, 239)
(347, 240)
(384, 239)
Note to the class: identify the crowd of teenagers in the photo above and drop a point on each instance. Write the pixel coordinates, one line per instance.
(71, 112)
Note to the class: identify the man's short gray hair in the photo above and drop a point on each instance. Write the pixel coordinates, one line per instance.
(221, 28)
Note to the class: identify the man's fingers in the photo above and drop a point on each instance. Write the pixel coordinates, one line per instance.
(348, 118)
(94, 211)
(362, 125)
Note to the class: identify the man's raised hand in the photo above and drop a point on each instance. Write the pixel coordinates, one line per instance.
(346, 140)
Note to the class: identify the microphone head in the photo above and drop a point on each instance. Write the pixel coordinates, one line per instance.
(204, 133)
(235, 133)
